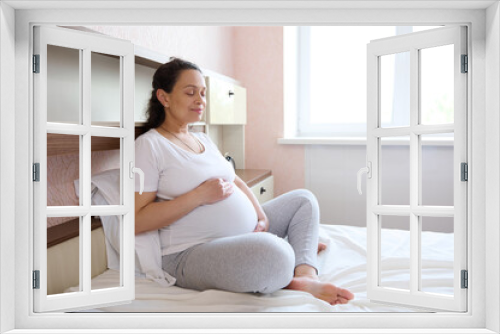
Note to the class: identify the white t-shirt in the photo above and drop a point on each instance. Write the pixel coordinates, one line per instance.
(171, 171)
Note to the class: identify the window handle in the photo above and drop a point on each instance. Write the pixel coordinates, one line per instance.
(368, 171)
(134, 170)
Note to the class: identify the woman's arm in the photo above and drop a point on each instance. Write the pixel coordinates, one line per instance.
(263, 222)
(151, 215)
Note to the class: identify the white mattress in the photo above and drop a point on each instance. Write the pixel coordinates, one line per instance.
(342, 263)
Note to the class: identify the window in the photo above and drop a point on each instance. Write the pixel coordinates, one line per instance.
(328, 66)
(434, 53)
(483, 224)
(64, 110)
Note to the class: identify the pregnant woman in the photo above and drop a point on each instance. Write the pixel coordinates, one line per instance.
(213, 232)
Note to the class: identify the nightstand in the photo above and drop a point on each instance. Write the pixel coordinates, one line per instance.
(260, 181)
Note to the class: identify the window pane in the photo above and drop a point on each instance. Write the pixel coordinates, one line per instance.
(63, 255)
(437, 85)
(105, 171)
(395, 90)
(106, 256)
(437, 254)
(106, 90)
(338, 72)
(395, 252)
(63, 85)
(394, 168)
(437, 170)
(331, 76)
(63, 168)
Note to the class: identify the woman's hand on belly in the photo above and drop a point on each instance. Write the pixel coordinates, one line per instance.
(214, 190)
(262, 224)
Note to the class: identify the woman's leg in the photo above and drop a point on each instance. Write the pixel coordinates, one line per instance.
(253, 262)
(296, 215)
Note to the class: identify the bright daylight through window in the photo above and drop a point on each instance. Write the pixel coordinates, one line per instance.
(330, 71)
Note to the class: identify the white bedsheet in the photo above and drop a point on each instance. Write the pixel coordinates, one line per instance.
(342, 263)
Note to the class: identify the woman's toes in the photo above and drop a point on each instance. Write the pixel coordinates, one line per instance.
(346, 294)
(321, 290)
(342, 301)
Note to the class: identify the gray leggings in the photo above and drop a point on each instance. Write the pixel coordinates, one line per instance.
(254, 262)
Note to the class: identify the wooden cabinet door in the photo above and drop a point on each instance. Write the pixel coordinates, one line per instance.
(240, 105)
(226, 103)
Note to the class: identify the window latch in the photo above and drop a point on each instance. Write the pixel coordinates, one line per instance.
(368, 171)
(132, 171)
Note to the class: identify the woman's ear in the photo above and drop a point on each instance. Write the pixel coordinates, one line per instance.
(162, 96)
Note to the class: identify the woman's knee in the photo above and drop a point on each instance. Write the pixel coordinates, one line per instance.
(276, 263)
(306, 196)
(274, 248)
(308, 202)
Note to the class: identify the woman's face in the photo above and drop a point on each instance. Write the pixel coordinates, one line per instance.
(186, 103)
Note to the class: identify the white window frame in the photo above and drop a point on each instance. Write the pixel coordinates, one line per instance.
(86, 44)
(415, 43)
(484, 307)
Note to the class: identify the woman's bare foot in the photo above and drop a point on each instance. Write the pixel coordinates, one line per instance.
(324, 291)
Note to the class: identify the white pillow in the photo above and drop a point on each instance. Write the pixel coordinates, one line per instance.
(147, 245)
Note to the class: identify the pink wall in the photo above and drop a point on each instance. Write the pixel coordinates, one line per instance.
(258, 56)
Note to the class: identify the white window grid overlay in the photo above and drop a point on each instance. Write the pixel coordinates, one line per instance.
(481, 317)
(414, 43)
(86, 44)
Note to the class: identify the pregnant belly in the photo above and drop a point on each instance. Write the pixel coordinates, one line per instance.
(234, 215)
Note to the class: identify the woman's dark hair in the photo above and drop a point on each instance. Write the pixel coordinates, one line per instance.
(165, 78)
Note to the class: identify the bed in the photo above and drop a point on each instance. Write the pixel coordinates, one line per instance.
(343, 263)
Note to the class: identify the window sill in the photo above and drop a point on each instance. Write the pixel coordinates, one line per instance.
(322, 141)
(357, 141)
